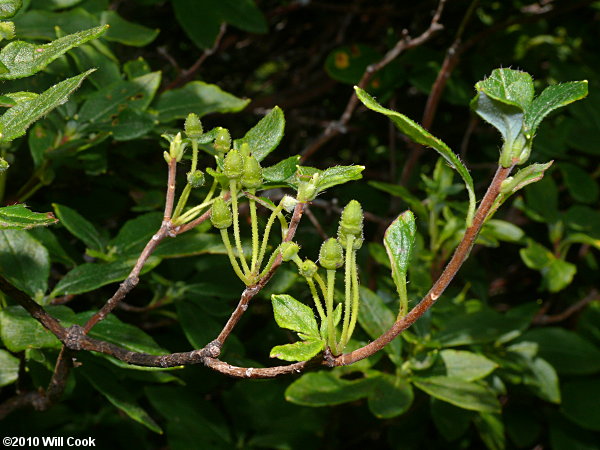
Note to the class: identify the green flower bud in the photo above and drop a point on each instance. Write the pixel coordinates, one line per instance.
(177, 147)
(193, 126)
(288, 250)
(221, 216)
(308, 269)
(3, 165)
(351, 224)
(245, 150)
(252, 177)
(196, 178)
(233, 166)
(307, 190)
(222, 141)
(331, 255)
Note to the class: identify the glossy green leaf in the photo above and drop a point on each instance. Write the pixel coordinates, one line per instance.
(16, 120)
(491, 430)
(464, 394)
(53, 4)
(421, 136)
(106, 104)
(197, 97)
(55, 249)
(265, 136)
(282, 171)
(24, 59)
(568, 352)
(543, 380)
(451, 421)
(9, 8)
(117, 394)
(90, 276)
(298, 351)
(502, 231)
(19, 331)
(24, 262)
(552, 98)
(557, 274)
(391, 396)
(580, 402)
(525, 176)
(325, 389)
(129, 124)
(399, 240)
(20, 217)
(9, 368)
(79, 227)
(466, 365)
(508, 86)
(125, 32)
(293, 315)
(375, 317)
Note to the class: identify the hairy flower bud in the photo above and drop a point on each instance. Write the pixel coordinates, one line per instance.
(252, 177)
(289, 250)
(331, 255)
(351, 224)
(193, 126)
(233, 166)
(308, 269)
(196, 178)
(222, 141)
(307, 189)
(221, 216)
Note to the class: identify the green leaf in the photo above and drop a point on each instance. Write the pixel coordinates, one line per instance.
(491, 430)
(391, 396)
(19, 331)
(24, 262)
(466, 365)
(135, 234)
(474, 328)
(79, 227)
(376, 318)
(9, 8)
(581, 184)
(53, 4)
(552, 98)
(580, 402)
(265, 136)
(338, 175)
(9, 368)
(557, 274)
(293, 315)
(451, 421)
(421, 136)
(106, 104)
(24, 59)
(105, 383)
(569, 353)
(325, 389)
(16, 120)
(197, 97)
(464, 394)
(543, 380)
(36, 24)
(90, 276)
(126, 32)
(282, 171)
(399, 240)
(508, 86)
(20, 217)
(298, 351)
(49, 240)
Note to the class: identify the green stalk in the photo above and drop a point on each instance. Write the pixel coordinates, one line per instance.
(329, 306)
(348, 291)
(355, 296)
(401, 285)
(236, 225)
(196, 210)
(316, 299)
(232, 258)
(270, 263)
(263, 248)
(255, 238)
(183, 198)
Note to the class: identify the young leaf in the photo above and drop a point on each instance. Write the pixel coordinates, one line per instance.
(552, 98)
(421, 136)
(24, 262)
(16, 120)
(23, 59)
(79, 227)
(199, 98)
(90, 276)
(324, 389)
(298, 351)
(464, 394)
(391, 396)
(508, 86)
(282, 171)
(333, 176)
(105, 383)
(466, 365)
(399, 240)
(265, 136)
(20, 217)
(293, 315)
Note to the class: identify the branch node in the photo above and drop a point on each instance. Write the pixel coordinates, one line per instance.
(213, 349)
(75, 334)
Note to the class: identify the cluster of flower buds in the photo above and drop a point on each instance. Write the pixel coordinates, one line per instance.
(176, 147)
(351, 224)
(240, 165)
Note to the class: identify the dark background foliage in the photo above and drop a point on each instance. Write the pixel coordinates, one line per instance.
(538, 281)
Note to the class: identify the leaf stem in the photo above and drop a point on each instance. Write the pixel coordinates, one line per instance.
(236, 225)
(232, 258)
(276, 212)
(316, 299)
(355, 297)
(255, 239)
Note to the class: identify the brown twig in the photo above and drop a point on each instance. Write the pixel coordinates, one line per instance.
(406, 42)
(543, 319)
